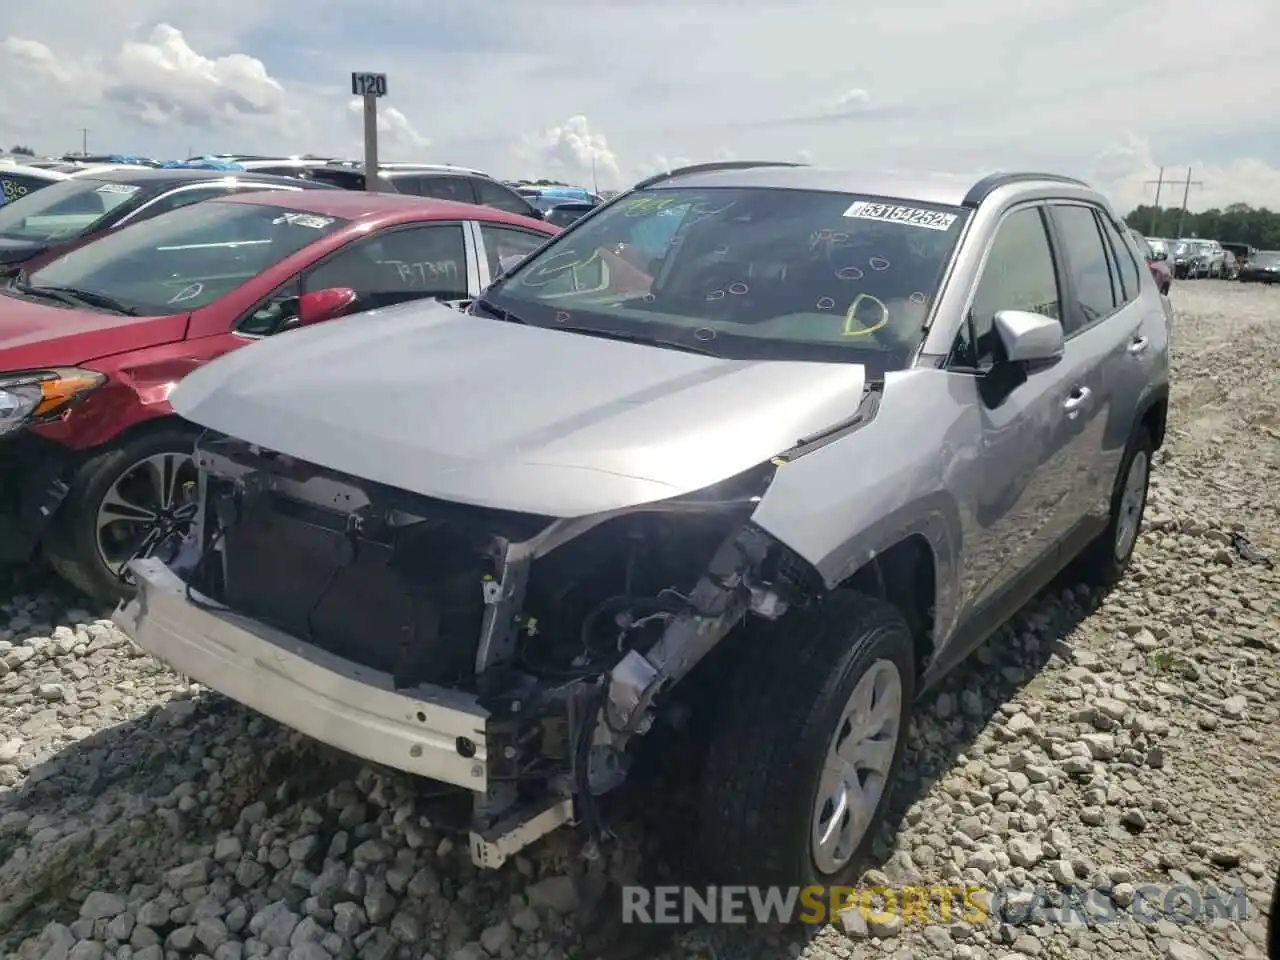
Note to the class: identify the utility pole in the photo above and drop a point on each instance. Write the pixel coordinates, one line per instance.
(1155, 217)
(1186, 189)
(84, 141)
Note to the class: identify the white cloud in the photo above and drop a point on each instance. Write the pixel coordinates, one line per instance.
(571, 150)
(397, 137)
(989, 84)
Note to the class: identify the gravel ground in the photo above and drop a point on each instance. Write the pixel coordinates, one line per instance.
(1104, 742)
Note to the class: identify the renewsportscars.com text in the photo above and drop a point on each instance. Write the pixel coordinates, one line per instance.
(1061, 906)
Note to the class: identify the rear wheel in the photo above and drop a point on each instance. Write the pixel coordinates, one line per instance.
(1105, 561)
(134, 499)
(808, 743)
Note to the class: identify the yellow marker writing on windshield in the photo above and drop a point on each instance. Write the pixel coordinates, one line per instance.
(547, 272)
(851, 327)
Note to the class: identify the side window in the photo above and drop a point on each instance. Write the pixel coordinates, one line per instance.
(411, 186)
(1096, 287)
(1018, 275)
(457, 189)
(14, 186)
(1123, 258)
(499, 197)
(274, 315)
(501, 243)
(398, 265)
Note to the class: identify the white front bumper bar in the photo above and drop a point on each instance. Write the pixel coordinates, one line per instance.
(430, 731)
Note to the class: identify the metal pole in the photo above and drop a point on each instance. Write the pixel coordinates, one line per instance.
(1155, 216)
(84, 141)
(371, 143)
(1182, 216)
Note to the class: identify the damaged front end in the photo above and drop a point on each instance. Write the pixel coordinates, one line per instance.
(512, 655)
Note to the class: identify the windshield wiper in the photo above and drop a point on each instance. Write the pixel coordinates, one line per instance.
(76, 298)
(498, 312)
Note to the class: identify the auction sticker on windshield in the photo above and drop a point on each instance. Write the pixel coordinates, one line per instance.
(910, 216)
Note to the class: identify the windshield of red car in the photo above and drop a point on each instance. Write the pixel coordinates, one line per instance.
(187, 258)
(746, 273)
(66, 209)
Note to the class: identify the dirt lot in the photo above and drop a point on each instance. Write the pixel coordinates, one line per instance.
(1104, 743)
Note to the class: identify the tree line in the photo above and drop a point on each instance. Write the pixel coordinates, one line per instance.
(1237, 223)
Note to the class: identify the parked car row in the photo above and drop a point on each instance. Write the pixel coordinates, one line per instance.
(770, 443)
(1192, 259)
(122, 282)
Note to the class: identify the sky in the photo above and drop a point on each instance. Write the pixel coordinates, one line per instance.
(616, 89)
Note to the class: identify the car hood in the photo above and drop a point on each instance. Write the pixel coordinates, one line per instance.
(34, 335)
(13, 250)
(429, 400)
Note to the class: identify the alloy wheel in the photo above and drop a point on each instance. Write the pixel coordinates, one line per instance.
(147, 510)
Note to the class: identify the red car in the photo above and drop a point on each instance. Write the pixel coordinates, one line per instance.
(1156, 263)
(94, 467)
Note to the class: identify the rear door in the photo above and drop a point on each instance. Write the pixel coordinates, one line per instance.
(1102, 323)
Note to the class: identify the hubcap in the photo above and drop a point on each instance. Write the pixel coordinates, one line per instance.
(1132, 500)
(856, 769)
(147, 511)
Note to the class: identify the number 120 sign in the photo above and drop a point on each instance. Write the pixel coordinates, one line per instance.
(368, 84)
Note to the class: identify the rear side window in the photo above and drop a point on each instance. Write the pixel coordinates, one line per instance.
(1123, 259)
(499, 197)
(457, 189)
(1097, 288)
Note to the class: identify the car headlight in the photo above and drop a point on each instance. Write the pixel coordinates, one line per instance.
(38, 395)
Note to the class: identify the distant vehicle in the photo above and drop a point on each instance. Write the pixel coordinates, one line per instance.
(1193, 259)
(1230, 267)
(1159, 246)
(437, 182)
(81, 207)
(20, 180)
(1243, 252)
(1262, 267)
(94, 468)
(563, 214)
(1156, 262)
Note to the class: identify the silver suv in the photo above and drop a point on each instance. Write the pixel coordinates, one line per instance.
(776, 444)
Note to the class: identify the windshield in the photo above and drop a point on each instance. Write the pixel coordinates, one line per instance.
(65, 209)
(187, 258)
(747, 273)
(1266, 256)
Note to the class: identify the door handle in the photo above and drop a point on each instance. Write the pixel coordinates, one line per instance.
(1139, 345)
(1079, 397)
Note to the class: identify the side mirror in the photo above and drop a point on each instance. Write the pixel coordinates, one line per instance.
(318, 306)
(1029, 337)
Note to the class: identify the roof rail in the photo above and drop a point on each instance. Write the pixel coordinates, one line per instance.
(988, 185)
(712, 167)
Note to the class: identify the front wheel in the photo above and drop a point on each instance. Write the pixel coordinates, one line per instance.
(807, 744)
(134, 499)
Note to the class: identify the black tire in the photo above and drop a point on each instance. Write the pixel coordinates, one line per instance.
(71, 544)
(1099, 563)
(770, 736)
